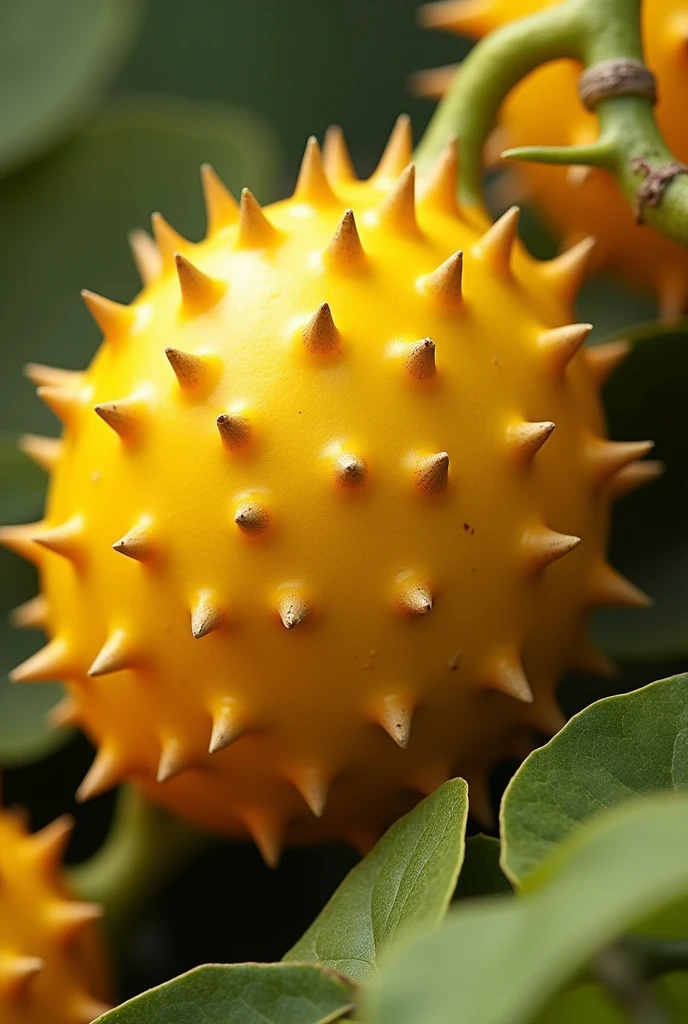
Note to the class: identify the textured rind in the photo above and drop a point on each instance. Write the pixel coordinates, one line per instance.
(545, 110)
(377, 580)
(52, 961)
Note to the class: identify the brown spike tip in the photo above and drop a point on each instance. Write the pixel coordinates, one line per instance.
(560, 344)
(496, 245)
(432, 473)
(199, 292)
(228, 727)
(254, 231)
(206, 616)
(114, 319)
(445, 283)
(394, 715)
(252, 517)
(397, 211)
(345, 251)
(320, 335)
(312, 186)
(526, 439)
(398, 151)
(222, 209)
(235, 430)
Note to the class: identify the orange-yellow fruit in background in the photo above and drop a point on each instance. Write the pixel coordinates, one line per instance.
(52, 961)
(544, 109)
(330, 509)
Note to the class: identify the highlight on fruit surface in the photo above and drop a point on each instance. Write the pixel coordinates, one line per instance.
(52, 962)
(544, 110)
(330, 510)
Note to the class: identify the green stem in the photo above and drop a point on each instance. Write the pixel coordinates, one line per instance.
(630, 145)
(144, 848)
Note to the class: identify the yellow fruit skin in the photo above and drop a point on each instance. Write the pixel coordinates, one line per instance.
(52, 962)
(544, 109)
(345, 559)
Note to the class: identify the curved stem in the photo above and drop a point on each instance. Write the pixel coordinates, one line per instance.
(630, 145)
(492, 68)
(144, 848)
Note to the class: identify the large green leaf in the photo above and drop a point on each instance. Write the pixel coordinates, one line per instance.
(501, 961)
(645, 399)
(406, 882)
(57, 57)
(65, 223)
(619, 748)
(24, 732)
(240, 994)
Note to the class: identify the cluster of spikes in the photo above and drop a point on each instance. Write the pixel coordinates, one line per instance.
(64, 920)
(613, 465)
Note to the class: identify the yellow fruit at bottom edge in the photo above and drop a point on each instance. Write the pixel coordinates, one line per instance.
(52, 963)
(544, 110)
(315, 550)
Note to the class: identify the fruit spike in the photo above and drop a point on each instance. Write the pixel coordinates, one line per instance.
(20, 539)
(45, 451)
(266, 832)
(192, 372)
(64, 402)
(124, 416)
(68, 919)
(419, 359)
(296, 490)
(49, 664)
(320, 334)
(566, 273)
(235, 430)
(496, 245)
(312, 186)
(313, 784)
(221, 207)
(444, 283)
(560, 344)
(350, 470)
(114, 320)
(397, 154)
(114, 656)
(294, 610)
(105, 772)
(40, 375)
(611, 588)
(394, 715)
(146, 256)
(255, 231)
(603, 360)
(432, 473)
(173, 760)
(65, 539)
(16, 974)
(167, 240)
(606, 458)
(48, 846)
(526, 439)
(636, 475)
(199, 292)
(544, 546)
(228, 727)
(439, 188)
(345, 251)
(206, 616)
(137, 543)
(398, 209)
(460, 16)
(33, 614)
(335, 156)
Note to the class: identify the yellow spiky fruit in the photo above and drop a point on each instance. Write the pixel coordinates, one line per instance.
(544, 109)
(52, 962)
(309, 546)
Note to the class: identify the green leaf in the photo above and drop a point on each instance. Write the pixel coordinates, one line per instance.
(57, 58)
(240, 994)
(619, 748)
(501, 961)
(481, 874)
(406, 882)
(65, 224)
(645, 399)
(25, 735)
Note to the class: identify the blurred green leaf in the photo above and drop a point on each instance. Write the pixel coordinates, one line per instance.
(645, 399)
(406, 882)
(57, 58)
(481, 874)
(24, 733)
(242, 994)
(619, 748)
(501, 961)
(65, 224)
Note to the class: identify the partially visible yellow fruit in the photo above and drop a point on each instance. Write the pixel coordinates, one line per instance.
(315, 550)
(52, 962)
(544, 109)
